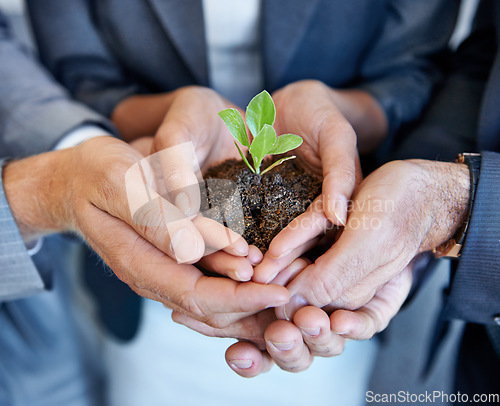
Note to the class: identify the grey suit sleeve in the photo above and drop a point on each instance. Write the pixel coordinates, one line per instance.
(400, 67)
(78, 59)
(18, 275)
(35, 112)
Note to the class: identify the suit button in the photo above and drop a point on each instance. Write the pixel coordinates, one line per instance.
(496, 319)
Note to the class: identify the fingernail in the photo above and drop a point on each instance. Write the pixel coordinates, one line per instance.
(311, 332)
(271, 278)
(284, 254)
(255, 255)
(282, 346)
(183, 203)
(240, 363)
(341, 210)
(241, 249)
(242, 278)
(295, 303)
(342, 333)
(184, 244)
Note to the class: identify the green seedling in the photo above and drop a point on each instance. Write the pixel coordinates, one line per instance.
(260, 115)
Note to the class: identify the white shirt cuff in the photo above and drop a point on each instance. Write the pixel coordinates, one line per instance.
(79, 135)
(35, 247)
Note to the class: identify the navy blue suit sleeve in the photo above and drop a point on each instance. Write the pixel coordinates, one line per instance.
(475, 288)
(451, 121)
(401, 68)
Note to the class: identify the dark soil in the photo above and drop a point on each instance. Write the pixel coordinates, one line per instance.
(268, 202)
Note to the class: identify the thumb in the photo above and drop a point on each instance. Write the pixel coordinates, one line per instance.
(178, 176)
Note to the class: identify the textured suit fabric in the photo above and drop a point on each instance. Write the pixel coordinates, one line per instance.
(45, 356)
(114, 48)
(18, 276)
(34, 111)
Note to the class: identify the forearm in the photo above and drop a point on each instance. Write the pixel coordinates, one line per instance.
(36, 192)
(365, 115)
(141, 115)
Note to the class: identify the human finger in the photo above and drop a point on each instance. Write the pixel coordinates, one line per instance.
(217, 237)
(250, 328)
(236, 268)
(364, 323)
(314, 324)
(247, 360)
(285, 345)
(135, 261)
(295, 239)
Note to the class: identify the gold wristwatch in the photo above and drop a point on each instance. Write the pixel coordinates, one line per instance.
(453, 247)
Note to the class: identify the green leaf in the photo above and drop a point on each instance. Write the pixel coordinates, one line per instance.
(260, 111)
(262, 144)
(285, 143)
(236, 125)
(244, 158)
(278, 162)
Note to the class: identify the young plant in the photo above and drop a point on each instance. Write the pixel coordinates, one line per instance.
(260, 115)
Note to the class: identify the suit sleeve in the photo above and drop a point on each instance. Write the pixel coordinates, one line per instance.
(35, 112)
(401, 67)
(450, 127)
(18, 275)
(76, 55)
(474, 293)
(450, 122)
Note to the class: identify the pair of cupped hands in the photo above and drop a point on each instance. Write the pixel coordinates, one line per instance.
(282, 308)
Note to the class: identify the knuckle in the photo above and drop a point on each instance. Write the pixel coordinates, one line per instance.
(326, 287)
(190, 305)
(219, 321)
(177, 178)
(150, 221)
(336, 349)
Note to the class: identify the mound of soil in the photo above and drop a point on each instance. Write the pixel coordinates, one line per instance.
(268, 202)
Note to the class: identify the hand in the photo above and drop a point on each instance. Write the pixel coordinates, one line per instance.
(293, 346)
(82, 189)
(190, 136)
(400, 210)
(263, 340)
(143, 145)
(192, 119)
(332, 123)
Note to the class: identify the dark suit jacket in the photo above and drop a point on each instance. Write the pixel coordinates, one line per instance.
(105, 50)
(465, 117)
(35, 112)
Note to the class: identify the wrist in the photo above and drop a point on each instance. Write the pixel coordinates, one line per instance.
(141, 115)
(445, 199)
(365, 115)
(36, 192)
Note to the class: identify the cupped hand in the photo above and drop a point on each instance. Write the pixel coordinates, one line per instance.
(292, 345)
(97, 199)
(333, 124)
(400, 210)
(313, 333)
(192, 138)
